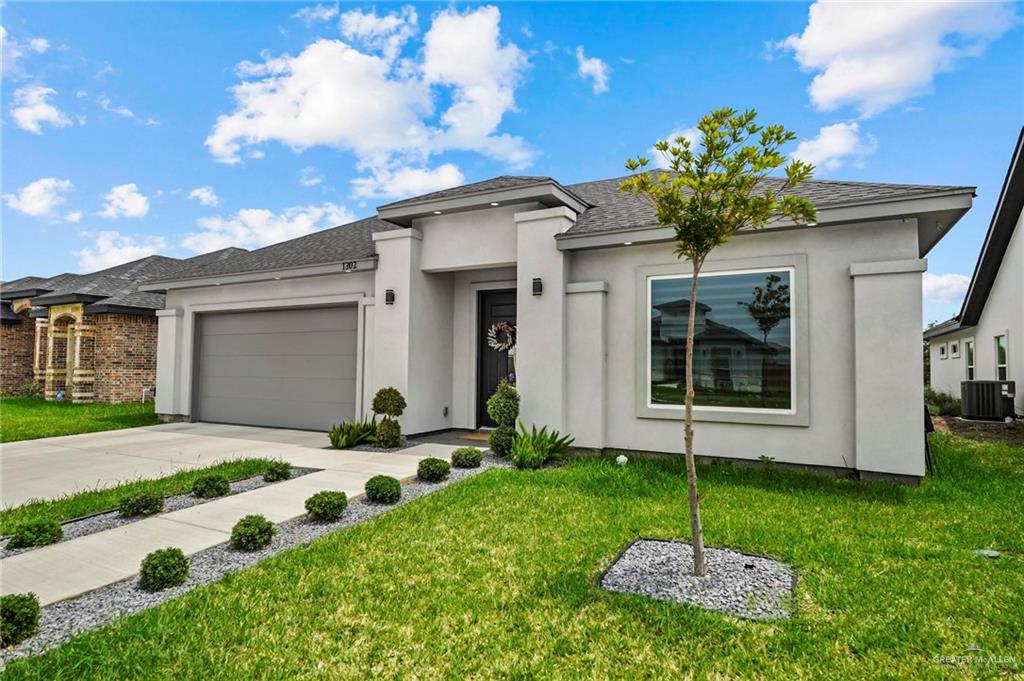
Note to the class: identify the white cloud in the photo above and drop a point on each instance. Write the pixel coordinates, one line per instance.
(593, 69)
(378, 106)
(256, 227)
(12, 51)
(403, 182)
(39, 198)
(311, 15)
(125, 201)
(205, 195)
(692, 134)
(73, 216)
(113, 248)
(120, 110)
(32, 108)
(308, 177)
(875, 55)
(834, 145)
(944, 288)
(385, 34)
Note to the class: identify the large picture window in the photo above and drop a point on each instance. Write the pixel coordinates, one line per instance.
(743, 345)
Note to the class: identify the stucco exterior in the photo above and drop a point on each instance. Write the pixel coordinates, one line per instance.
(1003, 314)
(581, 322)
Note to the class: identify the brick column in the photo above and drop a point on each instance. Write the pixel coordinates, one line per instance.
(83, 374)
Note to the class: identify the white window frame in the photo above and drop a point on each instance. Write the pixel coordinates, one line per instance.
(942, 351)
(954, 349)
(995, 359)
(970, 363)
(798, 413)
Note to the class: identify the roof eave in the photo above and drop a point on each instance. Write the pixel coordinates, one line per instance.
(64, 298)
(337, 267)
(104, 308)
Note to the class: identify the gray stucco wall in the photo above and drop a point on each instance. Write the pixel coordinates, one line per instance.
(830, 437)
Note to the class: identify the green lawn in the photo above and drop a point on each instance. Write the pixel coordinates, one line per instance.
(496, 577)
(97, 501)
(28, 418)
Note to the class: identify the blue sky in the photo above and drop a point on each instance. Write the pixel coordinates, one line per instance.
(132, 128)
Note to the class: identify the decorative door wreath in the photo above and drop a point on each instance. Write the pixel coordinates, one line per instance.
(502, 337)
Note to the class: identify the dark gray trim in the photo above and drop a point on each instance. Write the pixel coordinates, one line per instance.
(24, 293)
(64, 298)
(103, 308)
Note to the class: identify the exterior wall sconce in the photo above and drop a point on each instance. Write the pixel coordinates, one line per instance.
(389, 296)
(538, 286)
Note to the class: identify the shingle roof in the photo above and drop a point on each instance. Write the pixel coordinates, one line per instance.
(118, 285)
(613, 210)
(495, 183)
(353, 241)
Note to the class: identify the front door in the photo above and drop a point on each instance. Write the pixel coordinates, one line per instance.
(493, 365)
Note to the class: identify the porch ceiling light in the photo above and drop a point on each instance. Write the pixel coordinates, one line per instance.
(538, 286)
(494, 203)
(437, 212)
(389, 296)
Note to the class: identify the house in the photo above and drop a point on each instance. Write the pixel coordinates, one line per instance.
(985, 341)
(300, 334)
(91, 337)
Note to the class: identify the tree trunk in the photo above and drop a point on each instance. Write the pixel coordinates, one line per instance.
(700, 567)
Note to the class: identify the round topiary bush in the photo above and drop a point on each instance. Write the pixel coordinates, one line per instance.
(19, 618)
(163, 569)
(37, 532)
(501, 440)
(503, 405)
(389, 402)
(210, 486)
(327, 505)
(467, 457)
(433, 470)
(389, 434)
(252, 532)
(141, 503)
(383, 489)
(277, 471)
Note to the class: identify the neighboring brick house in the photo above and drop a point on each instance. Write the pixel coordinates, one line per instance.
(91, 337)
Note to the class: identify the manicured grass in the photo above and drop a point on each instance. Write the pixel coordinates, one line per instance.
(28, 418)
(496, 577)
(97, 501)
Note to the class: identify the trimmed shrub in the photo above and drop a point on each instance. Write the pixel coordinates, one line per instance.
(37, 532)
(327, 505)
(383, 489)
(19, 618)
(141, 503)
(534, 448)
(389, 402)
(252, 532)
(163, 569)
(503, 405)
(467, 457)
(501, 440)
(941, 404)
(210, 486)
(433, 470)
(389, 434)
(277, 471)
(350, 434)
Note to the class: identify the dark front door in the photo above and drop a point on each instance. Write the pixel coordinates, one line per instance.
(493, 365)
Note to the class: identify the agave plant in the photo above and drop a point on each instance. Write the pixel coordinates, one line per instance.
(533, 448)
(348, 434)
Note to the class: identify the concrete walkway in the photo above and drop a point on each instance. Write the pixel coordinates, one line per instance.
(74, 567)
(57, 466)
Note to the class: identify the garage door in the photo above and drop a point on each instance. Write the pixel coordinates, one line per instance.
(286, 368)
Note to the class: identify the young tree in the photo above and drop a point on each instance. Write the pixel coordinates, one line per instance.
(706, 195)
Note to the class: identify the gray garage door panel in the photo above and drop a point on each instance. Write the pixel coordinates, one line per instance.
(288, 368)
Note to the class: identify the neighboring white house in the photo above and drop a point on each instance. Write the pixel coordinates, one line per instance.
(986, 340)
(301, 333)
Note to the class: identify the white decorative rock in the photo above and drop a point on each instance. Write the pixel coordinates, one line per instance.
(621, 459)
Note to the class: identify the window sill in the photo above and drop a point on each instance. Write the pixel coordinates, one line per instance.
(752, 416)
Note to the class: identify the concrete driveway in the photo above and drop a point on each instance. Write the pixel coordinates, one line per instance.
(53, 467)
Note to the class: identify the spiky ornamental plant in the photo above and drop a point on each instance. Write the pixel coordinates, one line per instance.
(708, 193)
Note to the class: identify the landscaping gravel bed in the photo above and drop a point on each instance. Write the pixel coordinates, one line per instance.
(111, 519)
(60, 621)
(752, 587)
